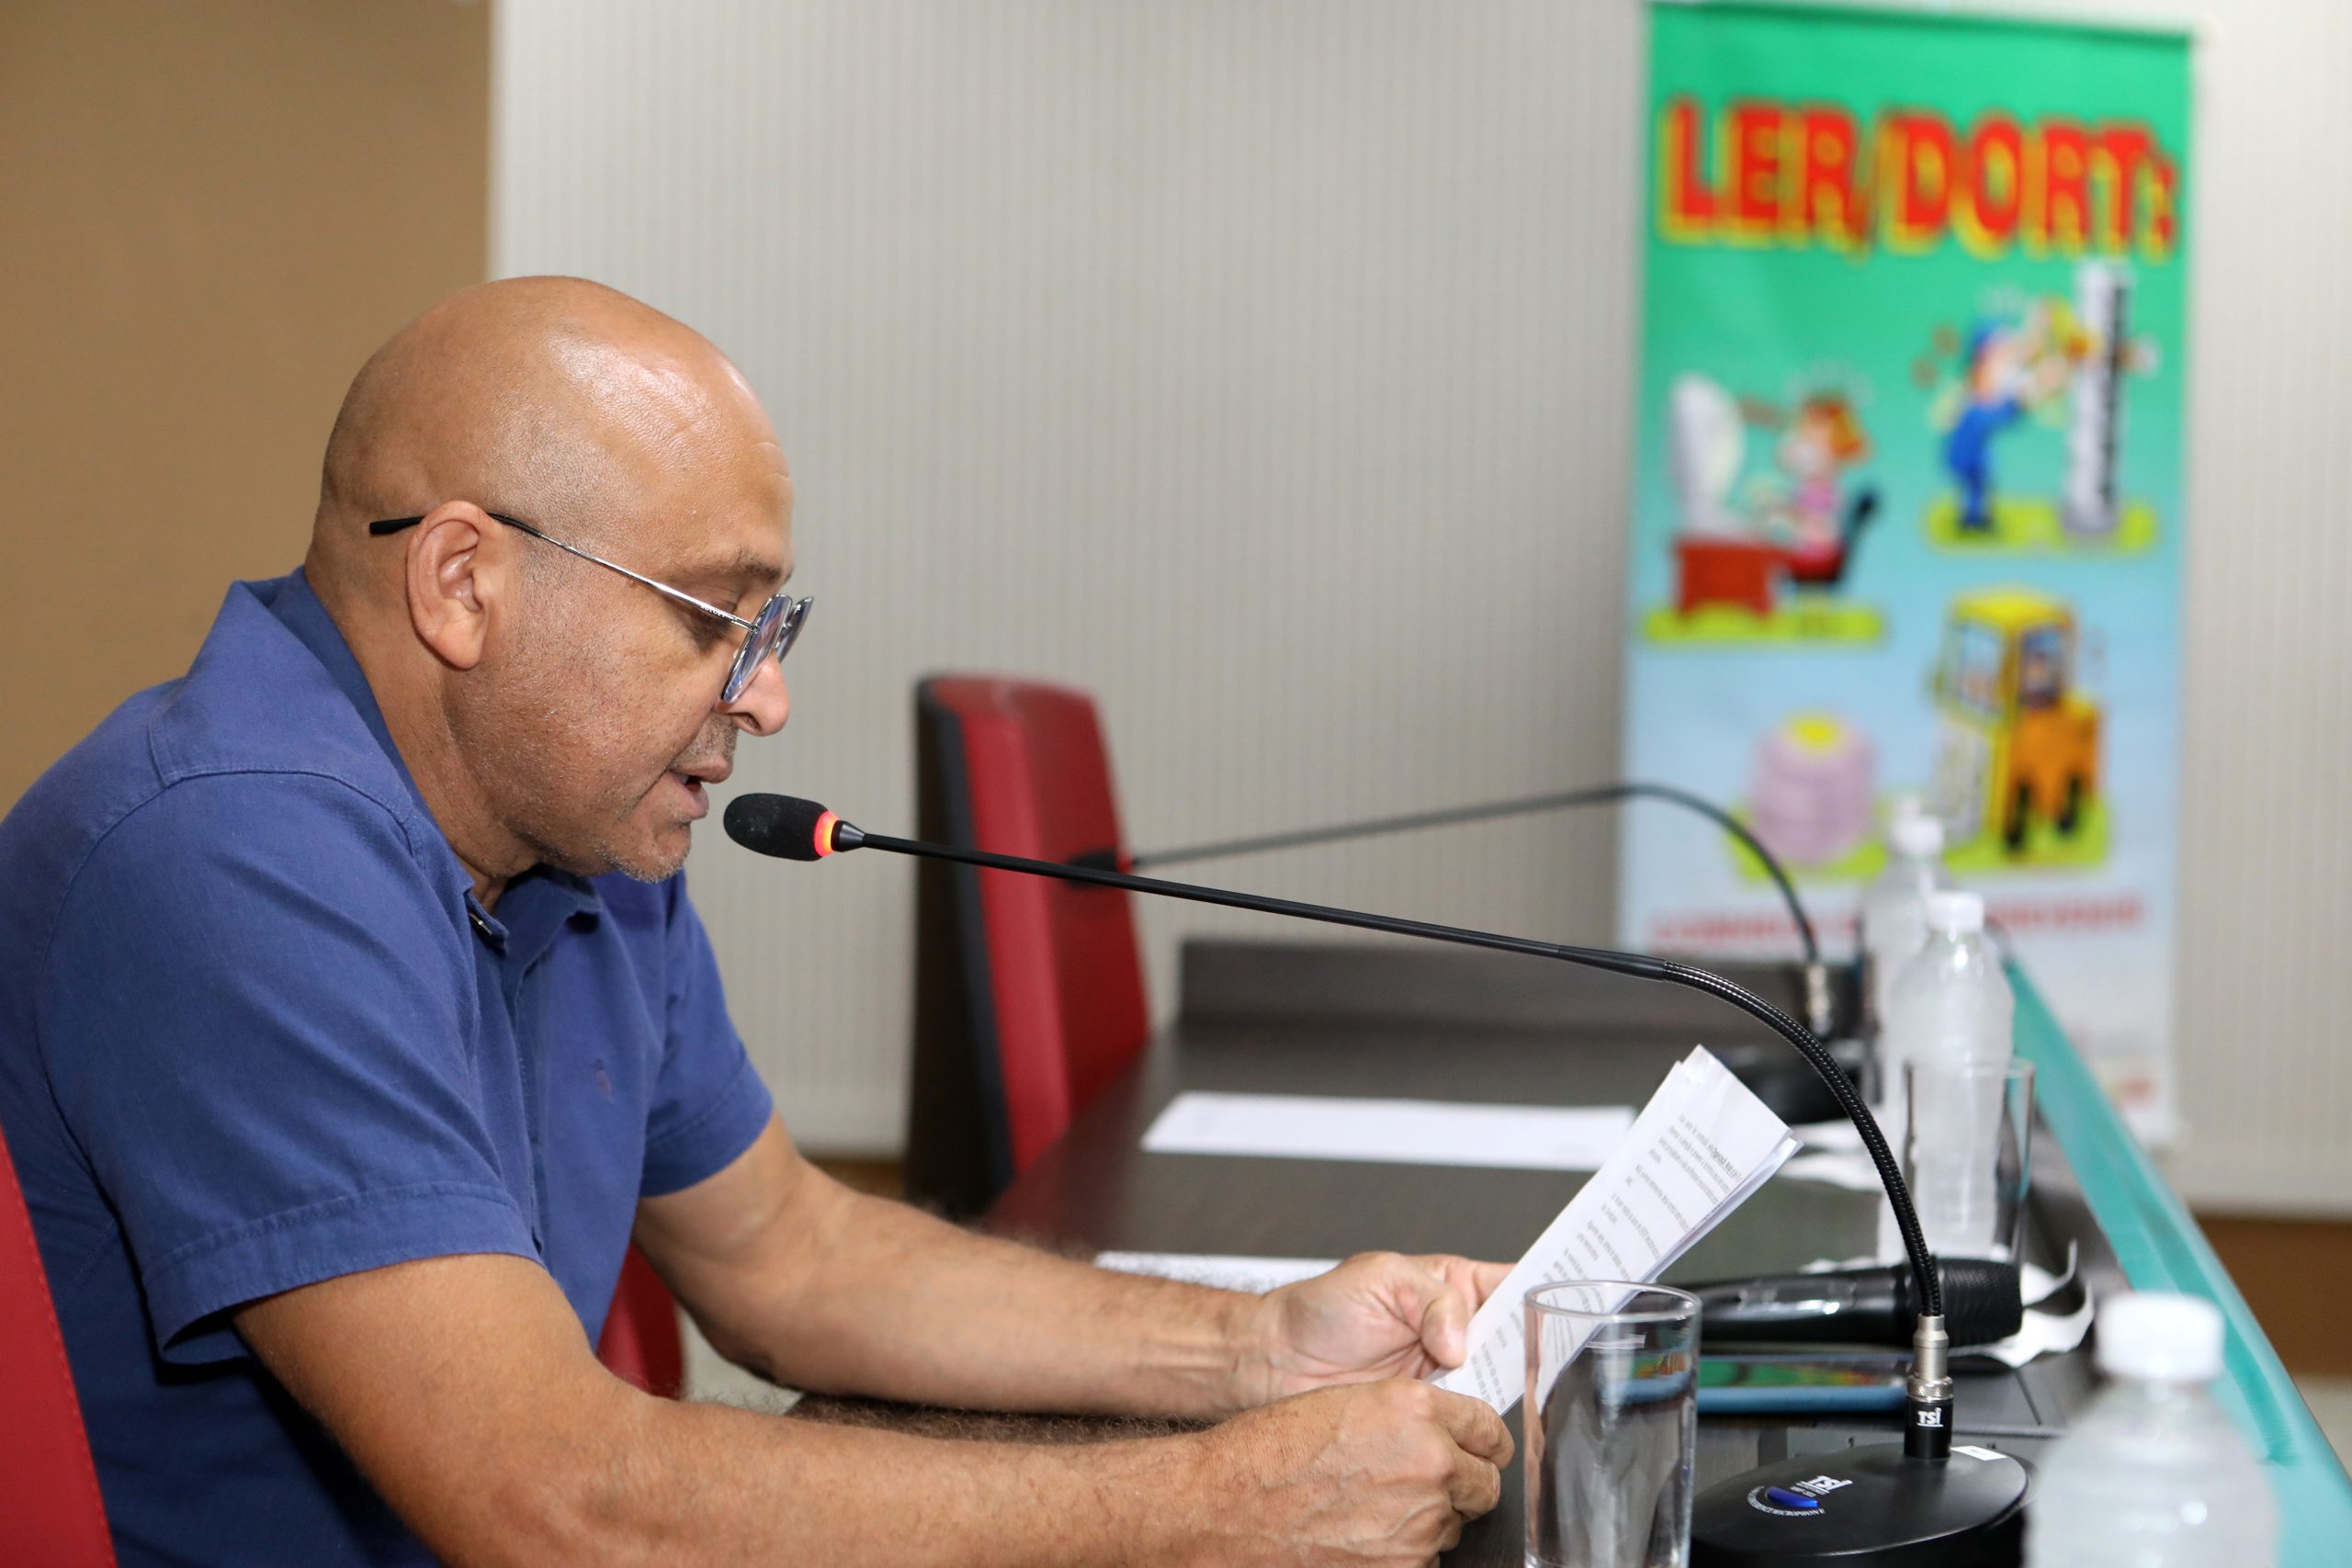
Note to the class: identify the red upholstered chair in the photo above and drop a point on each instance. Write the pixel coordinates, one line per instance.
(641, 1342)
(53, 1514)
(1029, 993)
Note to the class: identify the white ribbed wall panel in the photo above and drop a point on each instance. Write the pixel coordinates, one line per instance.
(1261, 365)
(2266, 988)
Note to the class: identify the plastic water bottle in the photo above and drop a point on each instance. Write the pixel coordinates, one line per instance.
(1953, 1008)
(1950, 1000)
(2153, 1475)
(1894, 906)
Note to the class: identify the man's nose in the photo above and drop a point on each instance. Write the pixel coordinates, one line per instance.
(763, 704)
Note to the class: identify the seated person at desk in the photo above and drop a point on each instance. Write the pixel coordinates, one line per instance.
(358, 1017)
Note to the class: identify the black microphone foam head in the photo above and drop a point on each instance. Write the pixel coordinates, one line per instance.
(781, 825)
(1981, 1302)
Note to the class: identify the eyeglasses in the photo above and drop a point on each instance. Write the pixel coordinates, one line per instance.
(771, 632)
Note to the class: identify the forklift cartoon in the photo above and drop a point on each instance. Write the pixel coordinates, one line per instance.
(2016, 739)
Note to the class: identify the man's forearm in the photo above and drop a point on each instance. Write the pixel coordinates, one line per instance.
(906, 1306)
(704, 1482)
(464, 1390)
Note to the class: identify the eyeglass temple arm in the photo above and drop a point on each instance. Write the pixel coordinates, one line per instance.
(394, 525)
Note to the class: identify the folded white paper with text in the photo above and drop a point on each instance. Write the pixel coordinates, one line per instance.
(1698, 1149)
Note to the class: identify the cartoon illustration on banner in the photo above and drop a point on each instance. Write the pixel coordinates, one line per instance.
(1907, 500)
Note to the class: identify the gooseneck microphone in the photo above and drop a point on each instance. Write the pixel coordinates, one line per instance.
(1819, 1013)
(1860, 1306)
(1913, 1504)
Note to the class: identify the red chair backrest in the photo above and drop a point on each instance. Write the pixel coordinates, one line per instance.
(53, 1514)
(641, 1342)
(1052, 1005)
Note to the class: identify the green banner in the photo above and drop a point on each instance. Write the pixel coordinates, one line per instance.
(1907, 502)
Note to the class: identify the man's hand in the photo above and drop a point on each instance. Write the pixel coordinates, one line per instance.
(1380, 1473)
(1377, 1315)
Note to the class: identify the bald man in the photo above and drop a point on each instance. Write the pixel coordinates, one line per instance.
(356, 1017)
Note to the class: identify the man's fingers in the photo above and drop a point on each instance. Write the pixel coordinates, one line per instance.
(1474, 1426)
(1479, 1280)
(1418, 1291)
(1475, 1486)
(1455, 1288)
(1445, 1323)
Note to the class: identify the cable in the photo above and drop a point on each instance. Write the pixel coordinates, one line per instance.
(1599, 794)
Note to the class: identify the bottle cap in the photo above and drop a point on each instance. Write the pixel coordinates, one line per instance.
(1920, 838)
(1956, 914)
(2160, 1336)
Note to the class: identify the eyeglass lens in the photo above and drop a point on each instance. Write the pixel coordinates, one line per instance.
(770, 636)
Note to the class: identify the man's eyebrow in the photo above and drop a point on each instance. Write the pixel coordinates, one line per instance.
(744, 567)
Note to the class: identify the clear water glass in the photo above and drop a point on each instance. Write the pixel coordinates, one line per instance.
(1968, 1153)
(1610, 1424)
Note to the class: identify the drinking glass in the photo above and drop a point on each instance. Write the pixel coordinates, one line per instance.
(1610, 1423)
(1968, 1154)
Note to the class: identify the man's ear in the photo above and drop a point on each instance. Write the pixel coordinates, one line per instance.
(451, 585)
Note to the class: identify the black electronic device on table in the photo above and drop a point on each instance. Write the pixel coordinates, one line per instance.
(1922, 1503)
(1872, 1305)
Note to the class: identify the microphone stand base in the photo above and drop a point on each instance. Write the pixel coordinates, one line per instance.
(1877, 1507)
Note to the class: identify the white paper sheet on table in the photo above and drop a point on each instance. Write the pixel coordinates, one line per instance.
(1254, 1275)
(1834, 1154)
(1395, 1132)
(1839, 1133)
(1698, 1149)
(1849, 1169)
(2044, 1330)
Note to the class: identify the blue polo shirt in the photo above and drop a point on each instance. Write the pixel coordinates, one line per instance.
(256, 1032)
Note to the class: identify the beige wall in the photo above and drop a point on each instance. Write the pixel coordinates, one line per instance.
(210, 212)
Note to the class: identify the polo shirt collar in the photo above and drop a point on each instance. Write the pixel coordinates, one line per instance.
(535, 903)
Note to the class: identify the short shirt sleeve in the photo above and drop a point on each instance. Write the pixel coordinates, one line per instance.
(255, 1018)
(708, 1101)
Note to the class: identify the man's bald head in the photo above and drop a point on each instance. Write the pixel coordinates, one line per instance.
(539, 699)
(551, 398)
